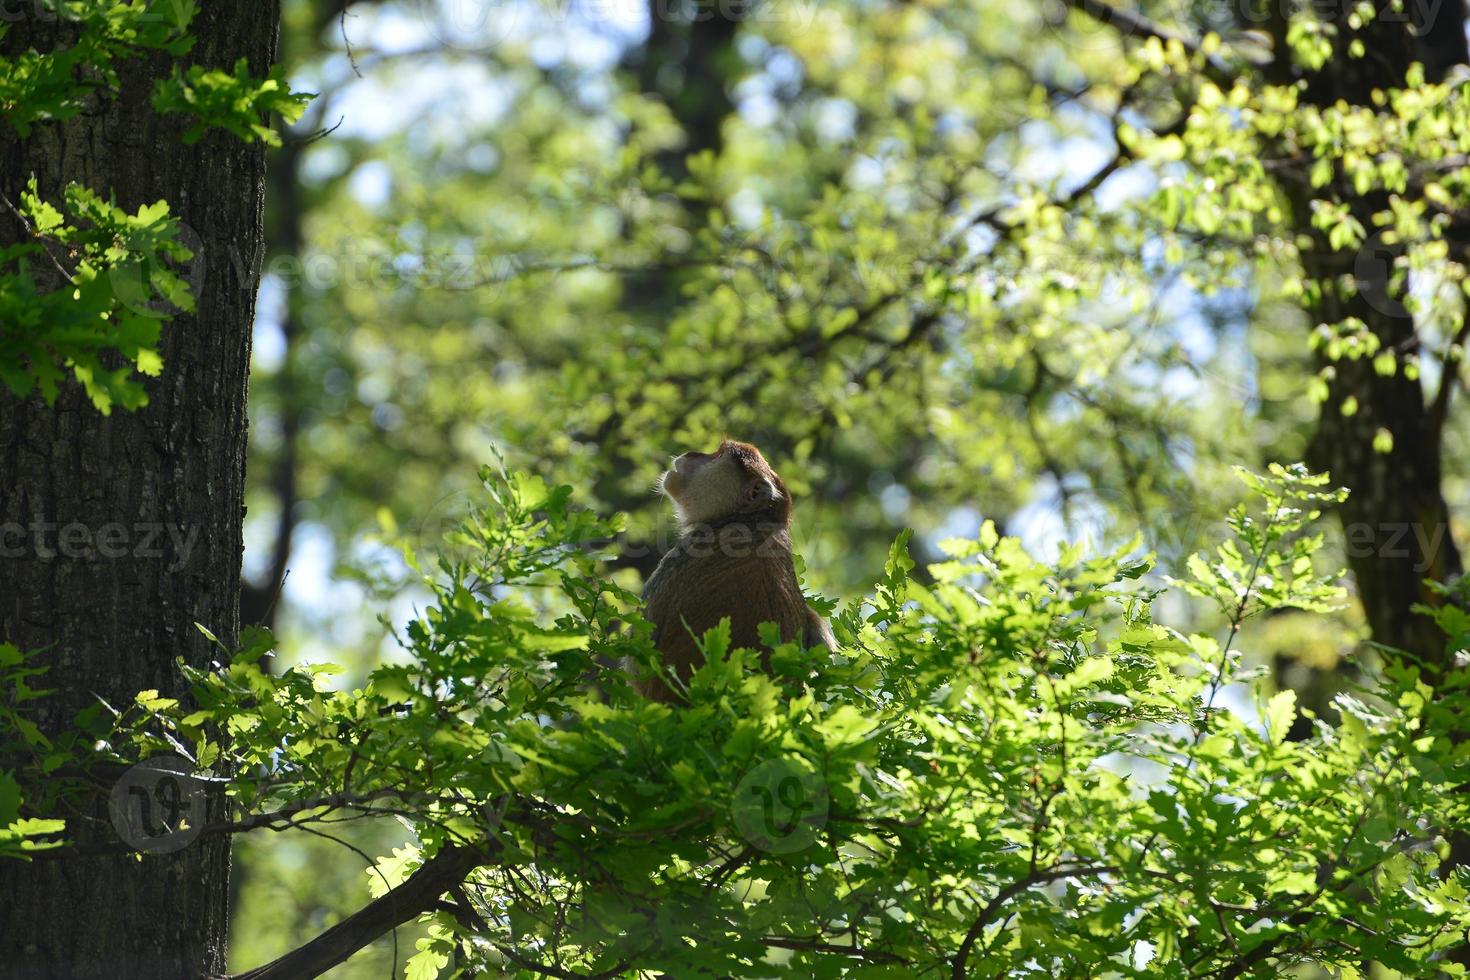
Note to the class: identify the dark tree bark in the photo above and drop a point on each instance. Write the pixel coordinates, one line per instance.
(259, 602)
(165, 481)
(1396, 521)
(689, 60)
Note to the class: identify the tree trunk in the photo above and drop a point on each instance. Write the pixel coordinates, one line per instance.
(285, 236)
(1396, 521)
(133, 520)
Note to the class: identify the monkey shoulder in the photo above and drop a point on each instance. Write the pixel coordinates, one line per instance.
(727, 571)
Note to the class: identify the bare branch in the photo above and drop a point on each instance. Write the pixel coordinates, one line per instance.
(416, 895)
(988, 913)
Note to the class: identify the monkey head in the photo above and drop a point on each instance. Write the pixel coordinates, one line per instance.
(734, 481)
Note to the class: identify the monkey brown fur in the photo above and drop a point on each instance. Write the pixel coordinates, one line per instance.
(733, 559)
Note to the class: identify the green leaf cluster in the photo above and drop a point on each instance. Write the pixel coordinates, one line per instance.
(22, 834)
(234, 102)
(50, 86)
(1010, 768)
(122, 282)
(89, 290)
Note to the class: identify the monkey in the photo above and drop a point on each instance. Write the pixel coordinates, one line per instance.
(733, 559)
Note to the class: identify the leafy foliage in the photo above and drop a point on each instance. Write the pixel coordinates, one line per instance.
(234, 102)
(121, 290)
(1026, 264)
(106, 285)
(20, 836)
(1268, 563)
(37, 87)
(1015, 769)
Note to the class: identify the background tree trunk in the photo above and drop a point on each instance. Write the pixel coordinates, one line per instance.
(1396, 521)
(170, 476)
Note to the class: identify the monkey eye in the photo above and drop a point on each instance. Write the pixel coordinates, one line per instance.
(760, 490)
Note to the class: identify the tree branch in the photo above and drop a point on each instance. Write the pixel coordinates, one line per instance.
(1127, 22)
(817, 946)
(417, 894)
(1003, 896)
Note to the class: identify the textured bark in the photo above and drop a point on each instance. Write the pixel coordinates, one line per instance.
(1396, 521)
(170, 476)
(285, 236)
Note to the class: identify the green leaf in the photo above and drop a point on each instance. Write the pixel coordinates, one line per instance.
(425, 964)
(1280, 715)
(10, 797)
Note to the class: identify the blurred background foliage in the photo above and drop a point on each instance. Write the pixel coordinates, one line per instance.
(894, 244)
